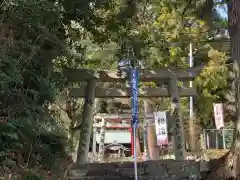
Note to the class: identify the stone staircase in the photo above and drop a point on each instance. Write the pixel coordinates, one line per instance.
(148, 170)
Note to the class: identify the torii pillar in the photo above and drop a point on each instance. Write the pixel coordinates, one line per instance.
(176, 117)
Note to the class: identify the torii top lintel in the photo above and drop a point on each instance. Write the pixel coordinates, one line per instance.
(76, 75)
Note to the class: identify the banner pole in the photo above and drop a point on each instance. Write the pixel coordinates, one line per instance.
(135, 151)
(134, 83)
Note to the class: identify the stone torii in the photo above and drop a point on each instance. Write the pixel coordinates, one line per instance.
(92, 91)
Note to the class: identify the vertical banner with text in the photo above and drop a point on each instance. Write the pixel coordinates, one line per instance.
(160, 118)
(134, 84)
(218, 115)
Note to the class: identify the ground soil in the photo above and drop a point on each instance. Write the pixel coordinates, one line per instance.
(57, 173)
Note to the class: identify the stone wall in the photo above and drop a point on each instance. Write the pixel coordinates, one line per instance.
(149, 170)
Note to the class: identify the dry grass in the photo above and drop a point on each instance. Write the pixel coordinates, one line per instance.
(210, 154)
(216, 153)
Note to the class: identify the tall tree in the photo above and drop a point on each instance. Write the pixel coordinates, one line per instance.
(229, 166)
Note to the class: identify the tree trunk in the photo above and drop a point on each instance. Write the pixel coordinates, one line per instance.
(229, 165)
(102, 141)
(97, 109)
(145, 131)
(86, 125)
(151, 136)
(138, 144)
(192, 136)
(234, 31)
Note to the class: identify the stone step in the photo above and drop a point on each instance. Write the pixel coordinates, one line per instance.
(132, 178)
(155, 168)
(162, 170)
(101, 178)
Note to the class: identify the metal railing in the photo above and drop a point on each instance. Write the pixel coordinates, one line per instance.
(218, 139)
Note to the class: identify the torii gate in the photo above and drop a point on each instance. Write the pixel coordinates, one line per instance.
(92, 91)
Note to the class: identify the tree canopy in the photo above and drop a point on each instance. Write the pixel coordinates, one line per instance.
(39, 37)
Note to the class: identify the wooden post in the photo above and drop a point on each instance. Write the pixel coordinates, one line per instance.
(153, 148)
(223, 136)
(97, 109)
(145, 133)
(102, 139)
(192, 135)
(132, 142)
(204, 140)
(178, 132)
(86, 125)
(216, 135)
(208, 143)
(94, 145)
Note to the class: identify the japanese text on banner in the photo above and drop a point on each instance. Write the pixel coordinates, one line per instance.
(218, 114)
(160, 118)
(134, 83)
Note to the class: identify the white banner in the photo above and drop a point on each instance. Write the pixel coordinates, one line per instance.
(218, 114)
(160, 118)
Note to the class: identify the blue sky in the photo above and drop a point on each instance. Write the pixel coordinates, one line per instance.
(222, 10)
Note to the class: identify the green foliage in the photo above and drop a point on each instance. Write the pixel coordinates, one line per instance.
(160, 33)
(26, 89)
(37, 37)
(212, 84)
(33, 35)
(31, 175)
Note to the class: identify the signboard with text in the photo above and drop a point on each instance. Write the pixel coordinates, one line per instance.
(218, 115)
(160, 118)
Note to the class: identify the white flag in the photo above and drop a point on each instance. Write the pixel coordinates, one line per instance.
(218, 114)
(160, 118)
